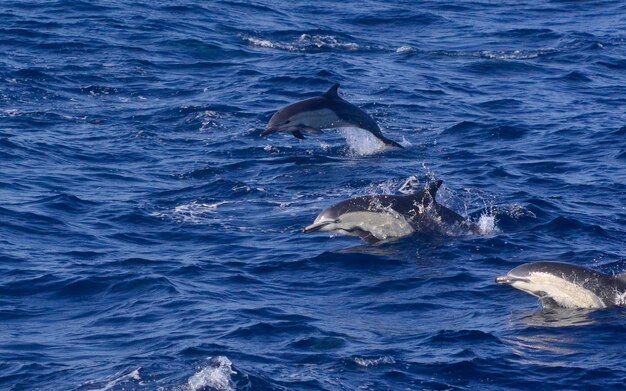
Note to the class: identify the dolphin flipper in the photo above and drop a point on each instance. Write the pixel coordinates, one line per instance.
(298, 134)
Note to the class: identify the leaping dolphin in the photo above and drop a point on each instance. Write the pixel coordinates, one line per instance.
(323, 112)
(566, 285)
(376, 218)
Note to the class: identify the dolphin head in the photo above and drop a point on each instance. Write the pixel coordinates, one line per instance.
(327, 220)
(351, 217)
(519, 278)
(283, 120)
(568, 286)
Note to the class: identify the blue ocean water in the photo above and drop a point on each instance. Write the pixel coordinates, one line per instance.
(151, 239)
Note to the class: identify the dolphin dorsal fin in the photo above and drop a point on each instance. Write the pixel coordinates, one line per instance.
(430, 191)
(433, 187)
(332, 92)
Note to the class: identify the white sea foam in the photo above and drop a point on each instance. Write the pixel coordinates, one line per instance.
(209, 119)
(10, 112)
(218, 376)
(514, 54)
(620, 298)
(303, 43)
(369, 362)
(264, 43)
(194, 212)
(517, 211)
(116, 380)
(405, 49)
(326, 41)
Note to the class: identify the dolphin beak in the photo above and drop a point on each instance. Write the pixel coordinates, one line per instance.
(317, 226)
(508, 280)
(269, 130)
(503, 280)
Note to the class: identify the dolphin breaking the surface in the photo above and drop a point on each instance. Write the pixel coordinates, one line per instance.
(566, 285)
(323, 112)
(376, 218)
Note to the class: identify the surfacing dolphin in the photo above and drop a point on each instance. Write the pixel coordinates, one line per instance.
(377, 218)
(569, 286)
(323, 112)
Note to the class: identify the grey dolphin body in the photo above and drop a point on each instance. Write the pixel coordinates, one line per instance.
(323, 112)
(566, 285)
(383, 217)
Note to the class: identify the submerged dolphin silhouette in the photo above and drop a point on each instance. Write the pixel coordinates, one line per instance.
(566, 285)
(323, 112)
(382, 217)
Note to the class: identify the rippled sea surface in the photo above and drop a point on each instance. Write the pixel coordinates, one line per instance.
(151, 239)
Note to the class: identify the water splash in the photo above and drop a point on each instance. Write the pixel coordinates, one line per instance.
(361, 142)
(216, 376)
(487, 224)
(410, 185)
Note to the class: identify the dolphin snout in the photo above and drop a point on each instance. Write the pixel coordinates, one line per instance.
(503, 280)
(508, 280)
(269, 129)
(317, 226)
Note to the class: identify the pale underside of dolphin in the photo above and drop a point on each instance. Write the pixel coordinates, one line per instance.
(566, 285)
(376, 218)
(328, 111)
